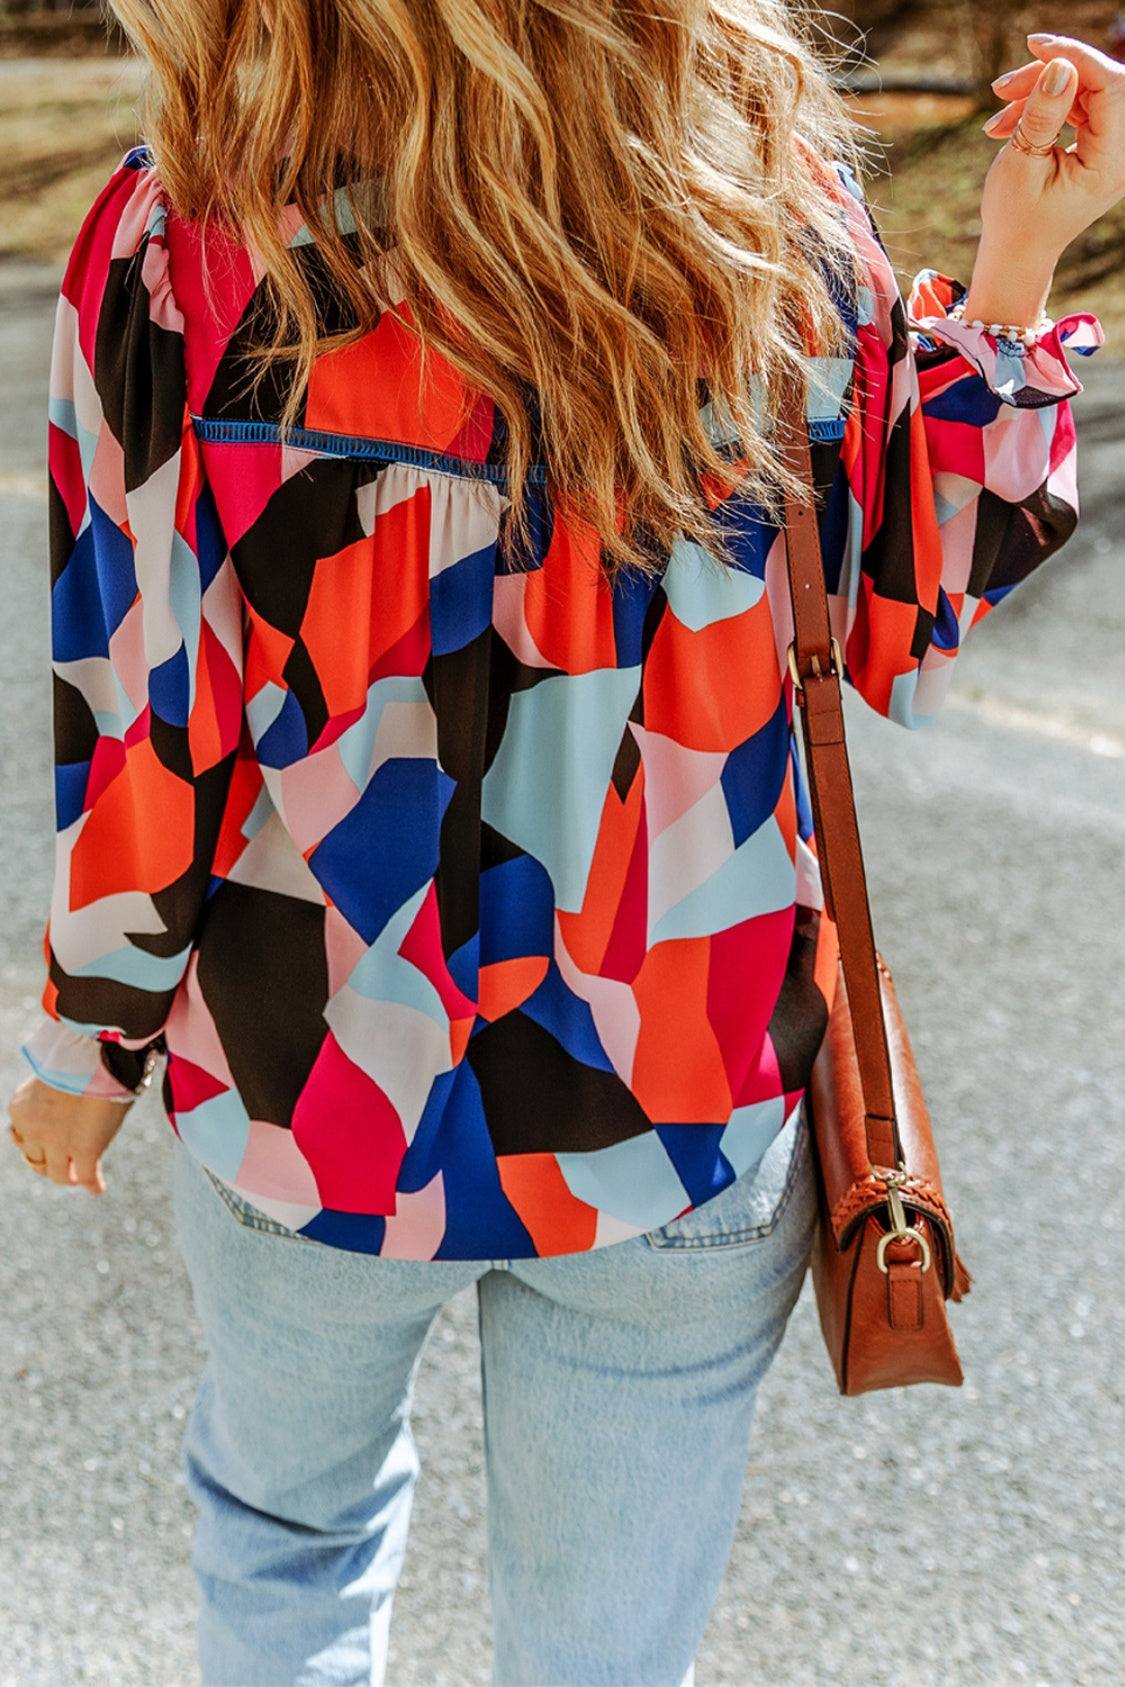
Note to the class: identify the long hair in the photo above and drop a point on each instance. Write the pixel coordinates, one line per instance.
(611, 204)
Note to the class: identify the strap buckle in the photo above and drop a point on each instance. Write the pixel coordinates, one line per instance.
(900, 1231)
(836, 666)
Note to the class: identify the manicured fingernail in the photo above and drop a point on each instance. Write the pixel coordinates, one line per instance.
(1042, 38)
(992, 123)
(1002, 81)
(1057, 77)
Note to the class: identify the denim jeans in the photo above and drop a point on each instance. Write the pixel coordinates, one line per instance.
(619, 1387)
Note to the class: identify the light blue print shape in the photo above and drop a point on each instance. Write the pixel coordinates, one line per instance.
(375, 211)
(750, 1131)
(904, 691)
(851, 566)
(73, 1083)
(185, 598)
(139, 969)
(382, 975)
(357, 745)
(634, 1180)
(87, 450)
(262, 811)
(547, 787)
(701, 591)
(1010, 375)
(217, 1132)
(759, 878)
(62, 415)
(829, 378)
(263, 709)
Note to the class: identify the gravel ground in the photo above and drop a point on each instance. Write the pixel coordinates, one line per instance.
(932, 1536)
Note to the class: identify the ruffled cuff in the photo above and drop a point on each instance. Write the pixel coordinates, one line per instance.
(72, 1061)
(1028, 377)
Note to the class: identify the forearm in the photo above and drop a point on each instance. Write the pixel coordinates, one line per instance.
(1007, 288)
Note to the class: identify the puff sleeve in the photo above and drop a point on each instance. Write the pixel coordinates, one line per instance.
(957, 477)
(146, 622)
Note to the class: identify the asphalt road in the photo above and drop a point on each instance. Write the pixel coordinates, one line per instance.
(931, 1536)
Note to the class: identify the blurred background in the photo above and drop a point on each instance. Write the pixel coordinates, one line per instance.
(919, 71)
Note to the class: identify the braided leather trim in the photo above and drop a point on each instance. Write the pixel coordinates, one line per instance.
(869, 1195)
(872, 1192)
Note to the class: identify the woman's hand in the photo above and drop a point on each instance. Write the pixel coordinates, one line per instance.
(63, 1136)
(1034, 206)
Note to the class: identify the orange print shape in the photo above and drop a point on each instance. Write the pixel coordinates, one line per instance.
(568, 605)
(372, 389)
(587, 934)
(365, 599)
(139, 835)
(557, 1221)
(505, 985)
(714, 688)
(268, 651)
(678, 1071)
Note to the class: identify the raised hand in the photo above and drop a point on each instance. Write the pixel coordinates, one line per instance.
(1040, 195)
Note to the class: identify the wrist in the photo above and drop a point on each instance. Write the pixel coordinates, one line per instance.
(1024, 307)
(1004, 291)
(1026, 333)
(132, 1069)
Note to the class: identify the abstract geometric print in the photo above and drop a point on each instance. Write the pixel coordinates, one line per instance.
(475, 905)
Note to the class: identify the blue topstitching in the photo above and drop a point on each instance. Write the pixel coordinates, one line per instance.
(225, 431)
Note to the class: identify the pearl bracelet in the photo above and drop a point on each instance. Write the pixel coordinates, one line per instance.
(1005, 330)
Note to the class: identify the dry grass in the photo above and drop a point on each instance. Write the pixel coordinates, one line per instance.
(64, 124)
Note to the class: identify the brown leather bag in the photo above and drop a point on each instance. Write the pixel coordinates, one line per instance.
(884, 1261)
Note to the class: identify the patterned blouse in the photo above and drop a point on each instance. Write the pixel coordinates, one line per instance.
(474, 907)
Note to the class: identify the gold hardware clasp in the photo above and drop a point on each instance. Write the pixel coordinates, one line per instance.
(900, 1231)
(836, 668)
(907, 1235)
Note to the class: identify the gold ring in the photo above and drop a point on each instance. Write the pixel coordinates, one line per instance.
(1022, 144)
(36, 1165)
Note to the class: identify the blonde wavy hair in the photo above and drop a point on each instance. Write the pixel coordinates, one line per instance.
(613, 203)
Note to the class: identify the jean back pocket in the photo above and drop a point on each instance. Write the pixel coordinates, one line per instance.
(750, 1208)
(252, 1217)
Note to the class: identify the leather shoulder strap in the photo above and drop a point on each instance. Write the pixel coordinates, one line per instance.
(817, 668)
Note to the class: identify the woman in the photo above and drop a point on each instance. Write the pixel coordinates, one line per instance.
(426, 793)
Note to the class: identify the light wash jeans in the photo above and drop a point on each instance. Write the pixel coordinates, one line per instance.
(619, 1387)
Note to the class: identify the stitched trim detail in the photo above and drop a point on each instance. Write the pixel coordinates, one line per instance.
(220, 431)
(217, 430)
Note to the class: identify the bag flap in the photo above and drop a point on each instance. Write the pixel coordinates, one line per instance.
(852, 1187)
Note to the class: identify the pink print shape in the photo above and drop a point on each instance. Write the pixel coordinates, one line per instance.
(105, 764)
(422, 948)
(763, 1079)
(243, 482)
(350, 1135)
(509, 620)
(274, 1168)
(476, 435)
(344, 947)
(67, 474)
(418, 1227)
(193, 1036)
(748, 965)
(676, 778)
